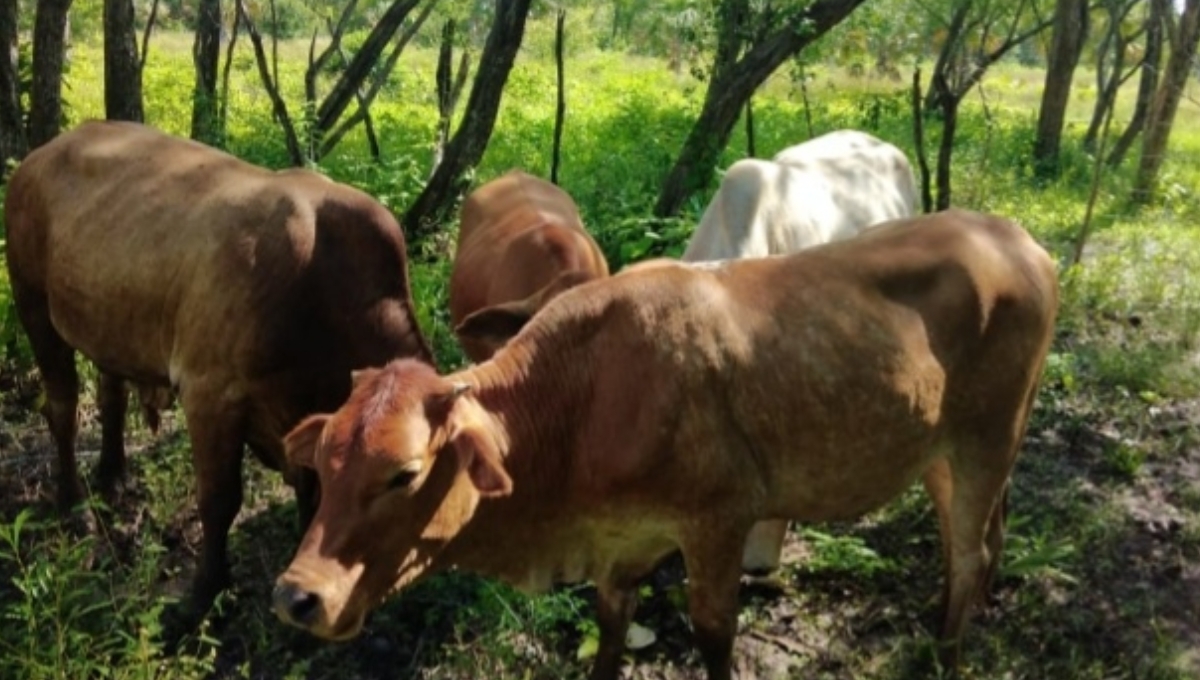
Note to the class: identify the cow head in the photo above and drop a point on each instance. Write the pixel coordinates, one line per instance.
(494, 326)
(402, 465)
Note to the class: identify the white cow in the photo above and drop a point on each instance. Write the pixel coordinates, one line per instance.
(826, 189)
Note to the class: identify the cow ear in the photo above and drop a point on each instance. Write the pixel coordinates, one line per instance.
(477, 453)
(495, 325)
(357, 377)
(438, 404)
(300, 445)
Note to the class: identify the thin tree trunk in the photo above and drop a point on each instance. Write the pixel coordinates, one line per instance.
(443, 79)
(49, 52)
(1110, 67)
(206, 55)
(1166, 102)
(13, 144)
(750, 150)
(804, 98)
(122, 68)
(560, 109)
(1066, 46)
(223, 113)
(278, 106)
(470, 140)
(919, 142)
(1147, 83)
(948, 101)
(1085, 227)
(364, 108)
(364, 61)
(146, 36)
(378, 76)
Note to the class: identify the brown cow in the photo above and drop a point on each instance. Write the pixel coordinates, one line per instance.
(520, 243)
(169, 264)
(673, 406)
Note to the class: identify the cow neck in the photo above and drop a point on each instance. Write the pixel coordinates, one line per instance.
(535, 391)
(534, 395)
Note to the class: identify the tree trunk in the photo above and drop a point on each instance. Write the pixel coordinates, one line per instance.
(919, 143)
(560, 109)
(122, 68)
(12, 130)
(734, 80)
(470, 140)
(347, 86)
(206, 55)
(1110, 67)
(1147, 83)
(1106, 99)
(948, 102)
(1066, 46)
(49, 51)
(223, 109)
(1166, 102)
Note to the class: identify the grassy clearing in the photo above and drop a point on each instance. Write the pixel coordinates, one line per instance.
(1100, 577)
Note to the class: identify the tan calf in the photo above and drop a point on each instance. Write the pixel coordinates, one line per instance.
(520, 243)
(673, 407)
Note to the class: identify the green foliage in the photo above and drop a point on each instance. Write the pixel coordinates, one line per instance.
(843, 553)
(69, 618)
(1040, 554)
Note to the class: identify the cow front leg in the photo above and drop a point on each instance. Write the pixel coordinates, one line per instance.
(713, 571)
(217, 433)
(616, 600)
(113, 401)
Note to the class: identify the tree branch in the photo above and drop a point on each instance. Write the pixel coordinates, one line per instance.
(278, 105)
(342, 94)
(365, 100)
(146, 35)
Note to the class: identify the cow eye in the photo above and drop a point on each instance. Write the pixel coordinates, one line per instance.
(404, 478)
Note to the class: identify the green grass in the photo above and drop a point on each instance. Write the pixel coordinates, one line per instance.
(1091, 587)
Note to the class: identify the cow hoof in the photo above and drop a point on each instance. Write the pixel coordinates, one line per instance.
(111, 487)
(176, 623)
(758, 571)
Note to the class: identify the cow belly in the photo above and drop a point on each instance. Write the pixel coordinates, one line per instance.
(854, 483)
(600, 540)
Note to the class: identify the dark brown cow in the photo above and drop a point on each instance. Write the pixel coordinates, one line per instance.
(169, 264)
(673, 406)
(520, 243)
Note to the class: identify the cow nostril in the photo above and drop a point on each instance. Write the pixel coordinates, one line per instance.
(300, 606)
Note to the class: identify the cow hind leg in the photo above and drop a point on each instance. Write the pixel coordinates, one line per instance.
(56, 362)
(940, 486)
(761, 555)
(975, 499)
(713, 573)
(113, 401)
(995, 541)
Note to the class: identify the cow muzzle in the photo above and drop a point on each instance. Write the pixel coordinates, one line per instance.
(309, 610)
(296, 606)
